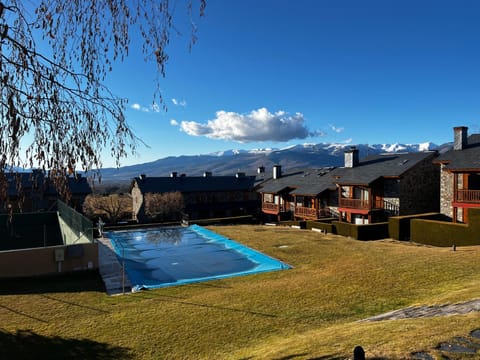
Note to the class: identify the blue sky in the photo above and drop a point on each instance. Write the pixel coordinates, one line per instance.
(268, 73)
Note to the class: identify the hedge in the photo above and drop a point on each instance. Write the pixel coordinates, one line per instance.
(441, 233)
(362, 232)
(399, 226)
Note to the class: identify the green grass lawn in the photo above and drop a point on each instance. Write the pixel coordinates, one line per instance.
(308, 312)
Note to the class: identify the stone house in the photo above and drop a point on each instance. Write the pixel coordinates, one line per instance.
(300, 195)
(204, 196)
(378, 186)
(460, 176)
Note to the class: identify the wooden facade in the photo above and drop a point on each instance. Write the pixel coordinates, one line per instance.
(302, 195)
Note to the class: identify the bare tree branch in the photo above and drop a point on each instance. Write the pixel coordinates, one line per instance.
(55, 112)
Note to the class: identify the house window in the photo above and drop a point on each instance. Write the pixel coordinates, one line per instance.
(268, 198)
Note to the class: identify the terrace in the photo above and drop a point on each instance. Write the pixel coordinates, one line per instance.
(467, 196)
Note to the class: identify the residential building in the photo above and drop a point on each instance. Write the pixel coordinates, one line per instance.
(460, 176)
(33, 191)
(302, 195)
(378, 186)
(204, 196)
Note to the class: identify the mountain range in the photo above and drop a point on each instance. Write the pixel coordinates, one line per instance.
(248, 161)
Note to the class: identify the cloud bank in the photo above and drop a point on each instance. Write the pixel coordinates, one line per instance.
(258, 125)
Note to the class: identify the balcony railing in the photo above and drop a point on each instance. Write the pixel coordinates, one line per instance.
(468, 196)
(354, 203)
(271, 208)
(306, 212)
(312, 213)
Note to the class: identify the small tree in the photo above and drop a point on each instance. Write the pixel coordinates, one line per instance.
(164, 206)
(110, 208)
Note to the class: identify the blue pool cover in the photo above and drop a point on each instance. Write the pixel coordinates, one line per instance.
(160, 257)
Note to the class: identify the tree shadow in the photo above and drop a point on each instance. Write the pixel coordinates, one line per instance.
(25, 345)
(70, 282)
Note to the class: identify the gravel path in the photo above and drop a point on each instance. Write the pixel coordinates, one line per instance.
(428, 311)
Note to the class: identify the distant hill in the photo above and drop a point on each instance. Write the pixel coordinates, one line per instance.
(232, 161)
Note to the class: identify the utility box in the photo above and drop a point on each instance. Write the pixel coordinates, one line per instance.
(59, 254)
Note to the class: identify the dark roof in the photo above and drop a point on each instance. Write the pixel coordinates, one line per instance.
(305, 182)
(36, 180)
(25, 181)
(374, 167)
(468, 158)
(186, 184)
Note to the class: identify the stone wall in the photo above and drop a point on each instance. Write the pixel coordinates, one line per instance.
(446, 192)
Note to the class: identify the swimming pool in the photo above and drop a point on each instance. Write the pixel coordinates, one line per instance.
(159, 257)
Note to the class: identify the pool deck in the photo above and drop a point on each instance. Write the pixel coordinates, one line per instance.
(111, 269)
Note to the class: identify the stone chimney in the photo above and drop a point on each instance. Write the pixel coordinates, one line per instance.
(143, 176)
(277, 171)
(351, 157)
(460, 137)
(173, 174)
(239, 175)
(207, 174)
(261, 170)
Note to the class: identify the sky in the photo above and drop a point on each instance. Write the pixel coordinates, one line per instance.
(275, 73)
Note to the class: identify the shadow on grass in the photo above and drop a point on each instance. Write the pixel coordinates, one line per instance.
(174, 299)
(25, 344)
(71, 282)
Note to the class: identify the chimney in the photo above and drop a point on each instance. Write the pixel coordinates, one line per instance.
(261, 170)
(240, 174)
(351, 157)
(277, 171)
(173, 174)
(207, 174)
(143, 176)
(460, 137)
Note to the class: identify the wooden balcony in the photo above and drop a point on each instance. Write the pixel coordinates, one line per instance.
(305, 212)
(354, 203)
(311, 213)
(468, 196)
(271, 208)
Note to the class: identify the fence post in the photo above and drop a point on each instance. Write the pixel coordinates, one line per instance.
(123, 270)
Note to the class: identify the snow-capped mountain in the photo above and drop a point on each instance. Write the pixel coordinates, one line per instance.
(247, 161)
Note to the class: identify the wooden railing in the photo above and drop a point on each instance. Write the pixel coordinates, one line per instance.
(468, 196)
(306, 212)
(354, 203)
(270, 207)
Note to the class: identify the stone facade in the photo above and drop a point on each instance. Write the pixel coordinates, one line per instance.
(446, 192)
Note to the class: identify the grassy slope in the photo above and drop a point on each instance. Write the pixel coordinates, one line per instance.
(307, 312)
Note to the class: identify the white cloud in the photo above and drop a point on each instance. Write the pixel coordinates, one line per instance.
(258, 125)
(337, 129)
(174, 122)
(177, 102)
(154, 107)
